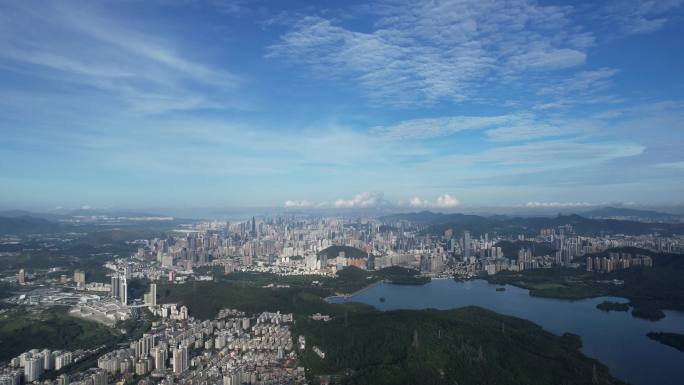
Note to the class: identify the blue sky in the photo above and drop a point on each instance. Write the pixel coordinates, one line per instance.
(422, 104)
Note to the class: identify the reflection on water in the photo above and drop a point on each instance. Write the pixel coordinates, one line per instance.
(615, 338)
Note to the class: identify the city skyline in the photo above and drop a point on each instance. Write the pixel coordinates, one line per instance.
(417, 105)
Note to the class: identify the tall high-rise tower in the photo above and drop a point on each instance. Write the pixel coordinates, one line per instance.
(116, 282)
(123, 291)
(466, 244)
(180, 359)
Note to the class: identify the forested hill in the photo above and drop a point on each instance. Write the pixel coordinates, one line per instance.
(349, 252)
(437, 223)
(27, 225)
(465, 346)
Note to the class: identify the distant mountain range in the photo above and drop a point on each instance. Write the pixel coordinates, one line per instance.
(28, 225)
(606, 220)
(19, 222)
(628, 213)
(436, 223)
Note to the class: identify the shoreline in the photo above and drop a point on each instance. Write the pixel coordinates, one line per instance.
(349, 295)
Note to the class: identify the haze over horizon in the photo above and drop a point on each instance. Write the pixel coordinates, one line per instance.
(417, 105)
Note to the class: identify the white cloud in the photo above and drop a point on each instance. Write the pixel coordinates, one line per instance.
(500, 128)
(525, 128)
(299, 204)
(585, 81)
(374, 200)
(148, 70)
(417, 202)
(435, 127)
(634, 17)
(548, 59)
(557, 204)
(422, 52)
(362, 200)
(530, 158)
(443, 202)
(446, 201)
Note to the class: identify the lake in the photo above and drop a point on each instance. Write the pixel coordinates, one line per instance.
(615, 338)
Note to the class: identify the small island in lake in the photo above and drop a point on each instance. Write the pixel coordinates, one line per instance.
(382, 299)
(612, 306)
(648, 313)
(670, 339)
(500, 289)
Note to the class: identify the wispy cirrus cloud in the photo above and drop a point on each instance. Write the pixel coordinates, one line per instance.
(426, 128)
(423, 53)
(582, 82)
(633, 17)
(78, 48)
(499, 128)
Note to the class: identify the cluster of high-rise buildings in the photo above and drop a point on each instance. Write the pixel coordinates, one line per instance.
(30, 366)
(617, 261)
(293, 245)
(231, 349)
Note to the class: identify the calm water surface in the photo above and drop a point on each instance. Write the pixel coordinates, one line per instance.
(615, 338)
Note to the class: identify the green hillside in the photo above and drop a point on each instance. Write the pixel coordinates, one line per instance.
(464, 346)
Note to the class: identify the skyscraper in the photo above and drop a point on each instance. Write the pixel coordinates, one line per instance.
(253, 227)
(22, 277)
(123, 290)
(116, 282)
(159, 355)
(466, 244)
(79, 278)
(180, 359)
(151, 296)
(33, 368)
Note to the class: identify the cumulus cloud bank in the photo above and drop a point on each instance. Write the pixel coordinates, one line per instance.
(443, 202)
(362, 200)
(558, 204)
(376, 199)
(299, 204)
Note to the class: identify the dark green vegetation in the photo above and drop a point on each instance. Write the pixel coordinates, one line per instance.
(366, 346)
(123, 332)
(464, 346)
(205, 299)
(350, 279)
(304, 296)
(649, 313)
(670, 339)
(19, 222)
(402, 276)
(85, 251)
(612, 306)
(649, 290)
(21, 330)
(436, 224)
(27, 225)
(564, 283)
(349, 252)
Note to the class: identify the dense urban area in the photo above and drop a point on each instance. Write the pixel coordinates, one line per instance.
(244, 302)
